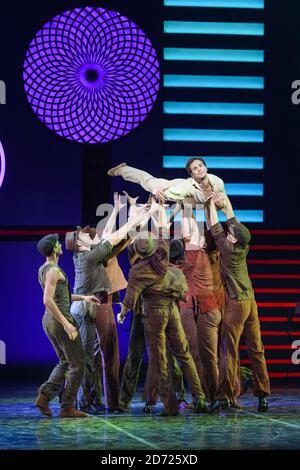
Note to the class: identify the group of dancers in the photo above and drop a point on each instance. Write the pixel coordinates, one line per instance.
(190, 296)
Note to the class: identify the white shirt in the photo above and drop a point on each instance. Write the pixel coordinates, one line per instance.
(184, 188)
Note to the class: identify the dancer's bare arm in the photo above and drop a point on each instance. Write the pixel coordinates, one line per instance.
(86, 298)
(212, 213)
(227, 207)
(132, 224)
(111, 223)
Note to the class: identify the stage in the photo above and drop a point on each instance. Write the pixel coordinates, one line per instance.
(23, 428)
(85, 86)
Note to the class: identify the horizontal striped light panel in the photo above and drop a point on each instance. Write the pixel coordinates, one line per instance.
(257, 4)
(238, 163)
(201, 27)
(218, 55)
(213, 81)
(224, 109)
(213, 135)
(186, 24)
(244, 189)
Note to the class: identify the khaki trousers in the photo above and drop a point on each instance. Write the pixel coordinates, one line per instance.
(152, 184)
(109, 347)
(202, 334)
(239, 316)
(162, 320)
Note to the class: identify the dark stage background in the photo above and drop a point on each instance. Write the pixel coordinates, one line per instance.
(52, 184)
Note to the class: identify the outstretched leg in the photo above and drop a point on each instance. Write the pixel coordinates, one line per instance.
(144, 179)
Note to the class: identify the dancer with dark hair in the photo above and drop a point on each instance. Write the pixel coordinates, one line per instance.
(61, 329)
(199, 187)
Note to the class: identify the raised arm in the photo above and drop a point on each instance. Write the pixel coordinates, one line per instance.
(120, 239)
(175, 211)
(216, 228)
(130, 227)
(133, 209)
(228, 210)
(111, 223)
(163, 218)
(212, 213)
(161, 222)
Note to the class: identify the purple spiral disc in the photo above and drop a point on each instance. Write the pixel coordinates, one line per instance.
(91, 75)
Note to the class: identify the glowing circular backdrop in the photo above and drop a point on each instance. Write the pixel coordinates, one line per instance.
(2, 164)
(91, 75)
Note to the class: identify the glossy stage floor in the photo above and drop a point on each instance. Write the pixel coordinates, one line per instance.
(23, 428)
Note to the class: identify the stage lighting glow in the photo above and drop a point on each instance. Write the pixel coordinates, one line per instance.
(213, 81)
(2, 164)
(244, 189)
(213, 135)
(217, 55)
(91, 75)
(205, 27)
(225, 109)
(259, 4)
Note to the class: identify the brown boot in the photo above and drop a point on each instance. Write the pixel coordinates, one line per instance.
(72, 412)
(42, 403)
(114, 171)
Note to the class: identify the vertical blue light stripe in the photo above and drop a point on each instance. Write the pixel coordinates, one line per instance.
(218, 55)
(213, 135)
(211, 81)
(204, 27)
(257, 4)
(238, 163)
(229, 109)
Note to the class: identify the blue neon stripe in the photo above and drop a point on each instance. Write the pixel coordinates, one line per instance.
(204, 27)
(211, 81)
(238, 163)
(246, 216)
(213, 135)
(229, 109)
(244, 189)
(241, 215)
(258, 4)
(220, 55)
